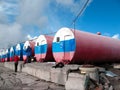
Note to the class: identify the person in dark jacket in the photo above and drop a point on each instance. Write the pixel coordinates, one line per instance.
(29, 54)
(16, 59)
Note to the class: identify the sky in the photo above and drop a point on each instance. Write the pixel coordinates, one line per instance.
(21, 20)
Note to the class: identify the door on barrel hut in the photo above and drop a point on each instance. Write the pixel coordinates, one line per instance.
(67, 48)
(13, 53)
(42, 49)
(38, 50)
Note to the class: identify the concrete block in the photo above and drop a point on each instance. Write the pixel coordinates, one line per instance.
(101, 69)
(1, 64)
(59, 75)
(38, 73)
(9, 65)
(20, 66)
(25, 69)
(116, 66)
(45, 71)
(76, 81)
(91, 71)
(45, 75)
(32, 71)
(40, 70)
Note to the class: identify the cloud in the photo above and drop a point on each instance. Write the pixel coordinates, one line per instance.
(19, 18)
(116, 36)
(8, 11)
(26, 13)
(29, 37)
(10, 8)
(73, 5)
(10, 35)
(39, 12)
(65, 2)
(34, 12)
(31, 12)
(3, 18)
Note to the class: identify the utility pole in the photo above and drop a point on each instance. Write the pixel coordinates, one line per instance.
(80, 12)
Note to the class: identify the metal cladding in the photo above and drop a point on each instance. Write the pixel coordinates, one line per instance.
(3, 55)
(19, 50)
(7, 54)
(25, 47)
(0, 56)
(73, 46)
(43, 48)
(12, 53)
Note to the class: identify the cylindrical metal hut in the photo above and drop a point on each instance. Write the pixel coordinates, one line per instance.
(3, 55)
(28, 45)
(43, 48)
(12, 53)
(7, 55)
(19, 50)
(0, 56)
(74, 46)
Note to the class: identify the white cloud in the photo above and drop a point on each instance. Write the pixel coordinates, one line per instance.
(3, 18)
(29, 37)
(65, 2)
(10, 35)
(116, 36)
(6, 9)
(31, 11)
(34, 12)
(1, 8)
(10, 8)
(73, 5)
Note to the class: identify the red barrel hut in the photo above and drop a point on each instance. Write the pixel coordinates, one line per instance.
(75, 46)
(43, 48)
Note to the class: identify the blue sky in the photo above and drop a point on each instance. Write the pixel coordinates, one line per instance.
(25, 19)
(103, 16)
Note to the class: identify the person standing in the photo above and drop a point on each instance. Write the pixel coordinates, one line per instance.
(16, 59)
(29, 54)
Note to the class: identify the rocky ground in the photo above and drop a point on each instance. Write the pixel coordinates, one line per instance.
(115, 81)
(9, 80)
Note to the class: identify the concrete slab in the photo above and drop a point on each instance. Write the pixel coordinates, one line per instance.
(11, 66)
(117, 66)
(59, 75)
(91, 71)
(1, 64)
(44, 71)
(40, 70)
(76, 81)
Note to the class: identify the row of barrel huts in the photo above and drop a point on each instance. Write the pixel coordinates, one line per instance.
(67, 46)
